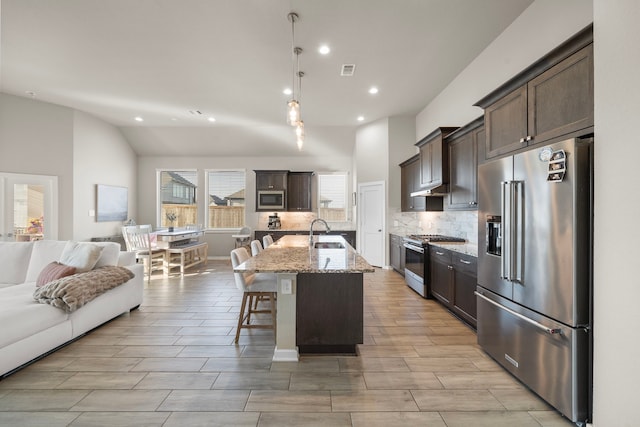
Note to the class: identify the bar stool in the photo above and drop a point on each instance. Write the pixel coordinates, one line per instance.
(253, 285)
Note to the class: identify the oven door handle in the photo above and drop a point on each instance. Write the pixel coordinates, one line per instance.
(413, 248)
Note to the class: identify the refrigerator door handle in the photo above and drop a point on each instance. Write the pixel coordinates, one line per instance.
(505, 261)
(546, 329)
(517, 230)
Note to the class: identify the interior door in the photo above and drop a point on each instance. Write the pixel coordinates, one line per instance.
(371, 222)
(28, 207)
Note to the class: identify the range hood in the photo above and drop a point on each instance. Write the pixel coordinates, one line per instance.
(437, 190)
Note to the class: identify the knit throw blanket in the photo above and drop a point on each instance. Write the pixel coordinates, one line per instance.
(72, 292)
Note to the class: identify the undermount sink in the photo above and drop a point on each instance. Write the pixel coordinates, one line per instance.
(328, 245)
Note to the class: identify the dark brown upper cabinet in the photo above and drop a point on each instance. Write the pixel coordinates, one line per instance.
(299, 191)
(551, 98)
(271, 179)
(434, 162)
(463, 165)
(409, 183)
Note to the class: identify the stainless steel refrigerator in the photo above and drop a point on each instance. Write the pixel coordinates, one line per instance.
(534, 291)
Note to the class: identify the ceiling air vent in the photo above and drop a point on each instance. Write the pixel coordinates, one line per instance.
(348, 70)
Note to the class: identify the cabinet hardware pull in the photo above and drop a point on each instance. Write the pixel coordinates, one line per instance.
(439, 253)
(522, 140)
(529, 138)
(450, 267)
(464, 261)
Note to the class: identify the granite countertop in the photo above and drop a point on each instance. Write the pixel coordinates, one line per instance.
(293, 254)
(466, 248)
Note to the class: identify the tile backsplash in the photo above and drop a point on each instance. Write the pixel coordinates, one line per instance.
(451, 223)
(298, 221)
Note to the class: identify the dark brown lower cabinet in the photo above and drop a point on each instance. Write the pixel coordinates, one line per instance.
(329, 312)
(441, 286)
(465, 279)
(396, 253)
(453, 282)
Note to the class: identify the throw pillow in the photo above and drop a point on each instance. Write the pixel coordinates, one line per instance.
(82, 256)
(109, 255)
(54, 271)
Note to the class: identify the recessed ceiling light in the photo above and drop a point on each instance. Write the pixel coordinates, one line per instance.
(373, 90)
(212, 119)
(360, 118)
(139, 119)
(287, 91)
(324, 49)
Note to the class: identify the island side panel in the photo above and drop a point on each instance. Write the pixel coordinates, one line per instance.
(286, 349)
(329, 312)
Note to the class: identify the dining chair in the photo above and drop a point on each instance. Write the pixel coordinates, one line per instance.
(267, 240)
(243, 237)
(253, 285)
(256, 247)
(138, 239)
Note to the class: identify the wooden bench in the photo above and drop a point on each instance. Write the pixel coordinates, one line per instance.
(185, 256)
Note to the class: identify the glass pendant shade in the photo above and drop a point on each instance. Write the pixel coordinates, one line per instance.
(300, 129)
(293, 112)
(300, 134)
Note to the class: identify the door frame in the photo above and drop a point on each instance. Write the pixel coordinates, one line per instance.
(359, 234)
(50, 185)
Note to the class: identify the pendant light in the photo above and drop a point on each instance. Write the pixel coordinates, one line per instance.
(293, 106)
(300, 123)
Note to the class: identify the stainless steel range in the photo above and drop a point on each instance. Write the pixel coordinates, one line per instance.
(416, 270)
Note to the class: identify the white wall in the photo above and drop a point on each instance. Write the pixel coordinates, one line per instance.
(47, 139)
(101, 155)
(402, 137)
(380, 147)
(617, 203)
(540, 28)
(37, 138)
(220, 244)
(371, 151)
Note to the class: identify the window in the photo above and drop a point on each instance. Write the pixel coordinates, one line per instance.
(226, 198)
(178, 198)
(332, 192)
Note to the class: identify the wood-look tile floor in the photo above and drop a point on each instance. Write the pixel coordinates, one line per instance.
(173, 362)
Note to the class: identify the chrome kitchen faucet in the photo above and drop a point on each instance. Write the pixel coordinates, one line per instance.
(311, 228)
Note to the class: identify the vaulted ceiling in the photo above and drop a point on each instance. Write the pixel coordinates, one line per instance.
(166, 60)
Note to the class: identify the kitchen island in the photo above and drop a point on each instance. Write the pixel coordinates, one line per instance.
(320, 294)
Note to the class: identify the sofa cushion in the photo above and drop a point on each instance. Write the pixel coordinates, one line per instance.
(14, 255)
(83, 256)
(18, 308)
(44, 252)
(126, 258)
(109, 255)
(54, 271)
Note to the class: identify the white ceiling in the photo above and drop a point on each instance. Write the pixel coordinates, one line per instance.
(231, 59)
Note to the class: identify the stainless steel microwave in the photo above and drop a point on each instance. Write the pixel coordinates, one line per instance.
(271, 199)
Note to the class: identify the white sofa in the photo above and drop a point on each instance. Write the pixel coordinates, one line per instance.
(29, 329)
